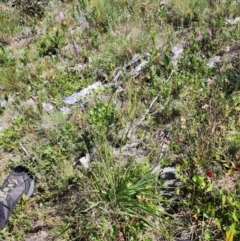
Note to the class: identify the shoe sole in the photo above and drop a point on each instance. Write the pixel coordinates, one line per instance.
(31, 188)
(23, 169)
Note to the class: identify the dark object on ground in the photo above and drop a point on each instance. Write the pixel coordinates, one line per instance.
(33, 8)
(19, 182)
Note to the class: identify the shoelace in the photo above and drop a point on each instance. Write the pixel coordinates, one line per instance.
(5, 191)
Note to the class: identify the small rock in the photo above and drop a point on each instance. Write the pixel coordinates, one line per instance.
(83, 161)
(40, 236)
(232, 21)
(168, 173)
(82, 94)
(213, 60)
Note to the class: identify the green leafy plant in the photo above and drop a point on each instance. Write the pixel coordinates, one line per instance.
(51, 44)
(128, 193)
(103, 114)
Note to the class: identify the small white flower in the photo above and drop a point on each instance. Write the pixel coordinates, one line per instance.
(47, 106)
(213, 60)
(177, 51)
(59, 18)
(61, 15)
(65, 110)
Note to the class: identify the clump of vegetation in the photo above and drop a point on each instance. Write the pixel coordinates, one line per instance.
(95, 161)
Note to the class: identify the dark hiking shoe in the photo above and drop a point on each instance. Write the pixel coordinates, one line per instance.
(19, 182)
